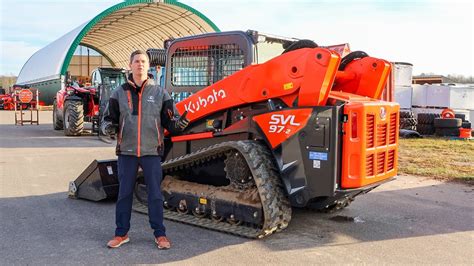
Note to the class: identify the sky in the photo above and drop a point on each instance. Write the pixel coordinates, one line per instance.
(435, 36)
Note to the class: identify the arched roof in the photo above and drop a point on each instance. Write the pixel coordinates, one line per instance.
(115, 33)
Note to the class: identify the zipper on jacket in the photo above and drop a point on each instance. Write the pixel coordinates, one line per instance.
(139, 122)
(140, 116)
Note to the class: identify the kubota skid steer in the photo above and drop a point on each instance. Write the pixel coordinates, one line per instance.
(303, 129)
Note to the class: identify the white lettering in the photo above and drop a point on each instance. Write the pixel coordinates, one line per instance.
(194, 105)
(277, 119)
(278, 122)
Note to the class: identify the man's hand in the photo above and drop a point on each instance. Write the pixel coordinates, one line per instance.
(182, 121)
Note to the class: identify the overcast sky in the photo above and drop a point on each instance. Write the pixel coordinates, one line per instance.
(435, 36)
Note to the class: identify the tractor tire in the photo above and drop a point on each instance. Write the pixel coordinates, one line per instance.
(425, 129)
(57, 123)
(73, 118)
(461, 116)
(466, 124)
(299, 45)
(447, 132)
(427, 118)
(406, 114)
(447, 122)
(408, 123)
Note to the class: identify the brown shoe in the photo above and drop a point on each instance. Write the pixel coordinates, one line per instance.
(118, 241)
(162, 242)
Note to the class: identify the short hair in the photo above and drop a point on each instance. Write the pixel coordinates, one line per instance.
(138, 52)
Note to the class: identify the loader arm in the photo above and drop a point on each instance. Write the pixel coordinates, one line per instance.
(306, 74)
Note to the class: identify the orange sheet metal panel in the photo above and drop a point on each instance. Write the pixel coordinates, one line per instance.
(370, 143)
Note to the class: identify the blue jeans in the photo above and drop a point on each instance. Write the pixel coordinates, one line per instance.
(127, 174)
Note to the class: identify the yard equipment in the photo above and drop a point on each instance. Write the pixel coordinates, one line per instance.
(6, 101)
(276, 123)
(74, 105)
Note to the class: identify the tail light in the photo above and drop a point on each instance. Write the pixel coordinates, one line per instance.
(354, 125)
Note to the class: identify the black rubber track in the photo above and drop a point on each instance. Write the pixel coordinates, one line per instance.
(275, 203)
(74, 114)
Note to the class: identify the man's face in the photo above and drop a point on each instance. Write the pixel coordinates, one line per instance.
(140, 65)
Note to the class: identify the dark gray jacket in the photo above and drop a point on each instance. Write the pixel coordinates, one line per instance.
(140, 114)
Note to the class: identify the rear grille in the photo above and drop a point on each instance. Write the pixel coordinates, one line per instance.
(380, 162)
(370, 130)
(381, 134)
(369, 165)
(391, 160)
(393, 129)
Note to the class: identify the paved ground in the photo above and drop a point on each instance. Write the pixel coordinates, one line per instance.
(410, 220)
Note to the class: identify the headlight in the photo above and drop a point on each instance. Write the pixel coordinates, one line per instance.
(70, 92)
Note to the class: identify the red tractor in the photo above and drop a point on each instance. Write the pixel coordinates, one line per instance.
(75, 105)
(275, 124)
(6, 101)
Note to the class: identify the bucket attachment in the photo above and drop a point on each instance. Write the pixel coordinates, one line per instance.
(98, 182)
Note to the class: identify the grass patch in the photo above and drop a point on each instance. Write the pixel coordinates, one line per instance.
(437, 157)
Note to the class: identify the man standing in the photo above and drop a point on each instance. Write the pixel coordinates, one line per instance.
(138, 111)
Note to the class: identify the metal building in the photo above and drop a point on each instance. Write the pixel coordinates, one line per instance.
(114, 33)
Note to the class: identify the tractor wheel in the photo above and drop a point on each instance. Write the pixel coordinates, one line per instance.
(406, 114)
(408, 123)
(57, 123)
(73, 118)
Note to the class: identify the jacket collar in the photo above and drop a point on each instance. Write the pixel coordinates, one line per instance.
(148, 81)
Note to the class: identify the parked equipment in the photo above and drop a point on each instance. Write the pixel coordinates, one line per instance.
(275, 123)
(75, 105)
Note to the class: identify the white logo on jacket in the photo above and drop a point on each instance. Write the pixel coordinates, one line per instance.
(151, 99)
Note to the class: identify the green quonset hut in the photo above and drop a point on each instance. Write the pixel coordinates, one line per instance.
(114, 33)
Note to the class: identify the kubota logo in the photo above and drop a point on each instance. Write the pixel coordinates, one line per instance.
(194, 106)
(279, 121)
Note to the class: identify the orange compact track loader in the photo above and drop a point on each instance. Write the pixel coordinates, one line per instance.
(276, 123)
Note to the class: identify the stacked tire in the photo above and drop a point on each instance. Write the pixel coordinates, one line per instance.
(447, 127)
(425, 124)
(407, 120)
(465, 123)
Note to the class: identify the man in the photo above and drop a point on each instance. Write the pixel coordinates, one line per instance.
(138, 111)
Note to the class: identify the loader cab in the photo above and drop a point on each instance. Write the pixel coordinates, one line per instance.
(196, 62)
